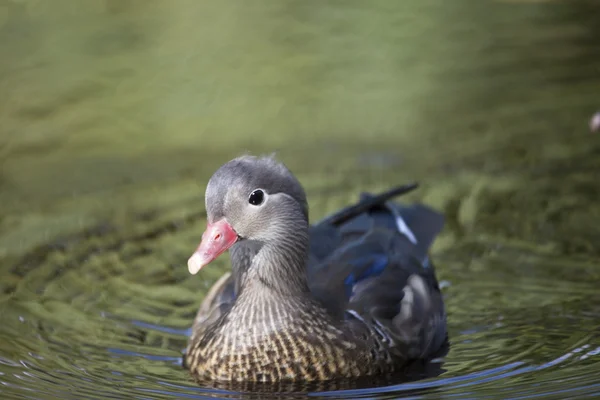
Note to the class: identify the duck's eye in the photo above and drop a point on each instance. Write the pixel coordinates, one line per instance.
(257, 197)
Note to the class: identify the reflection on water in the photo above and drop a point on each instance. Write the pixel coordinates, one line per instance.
(114, 113)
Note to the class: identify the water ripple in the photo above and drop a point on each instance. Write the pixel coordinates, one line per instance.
(495, 128)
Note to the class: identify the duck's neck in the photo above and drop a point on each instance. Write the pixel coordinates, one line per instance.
(276, 266)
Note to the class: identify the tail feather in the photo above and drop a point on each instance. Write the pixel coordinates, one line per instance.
(423, 222)
(420, 320)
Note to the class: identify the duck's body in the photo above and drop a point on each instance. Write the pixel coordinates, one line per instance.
(351, 296)
(282, 339)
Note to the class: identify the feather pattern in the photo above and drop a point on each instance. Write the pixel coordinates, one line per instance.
(361, 299)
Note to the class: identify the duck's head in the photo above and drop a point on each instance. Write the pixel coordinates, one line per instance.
(250, 198)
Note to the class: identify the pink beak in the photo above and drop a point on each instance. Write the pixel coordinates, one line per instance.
(217, 238)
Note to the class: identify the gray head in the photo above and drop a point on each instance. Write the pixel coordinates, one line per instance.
(250, 198)
(249, 188)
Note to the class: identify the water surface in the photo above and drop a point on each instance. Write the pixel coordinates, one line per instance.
(114, 113)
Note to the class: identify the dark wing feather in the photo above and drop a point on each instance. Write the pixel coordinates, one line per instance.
(371, 264)
(217, 302)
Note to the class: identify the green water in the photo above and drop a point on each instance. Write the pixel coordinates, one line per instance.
(114, 114)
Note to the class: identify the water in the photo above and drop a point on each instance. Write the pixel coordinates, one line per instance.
(114, 114)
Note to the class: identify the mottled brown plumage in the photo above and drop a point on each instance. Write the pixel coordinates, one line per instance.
(352, 296)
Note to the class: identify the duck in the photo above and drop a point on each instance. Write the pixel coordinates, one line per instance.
(354, 295)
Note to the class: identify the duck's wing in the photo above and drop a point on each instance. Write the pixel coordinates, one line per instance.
(217, 302)
(369, 265)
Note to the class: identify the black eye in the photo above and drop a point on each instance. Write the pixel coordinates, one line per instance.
(256, 197)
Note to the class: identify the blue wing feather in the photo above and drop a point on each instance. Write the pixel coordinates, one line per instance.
(364, 261)
(376, 262)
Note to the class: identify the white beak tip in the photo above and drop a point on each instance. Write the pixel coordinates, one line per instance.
(195, 263)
